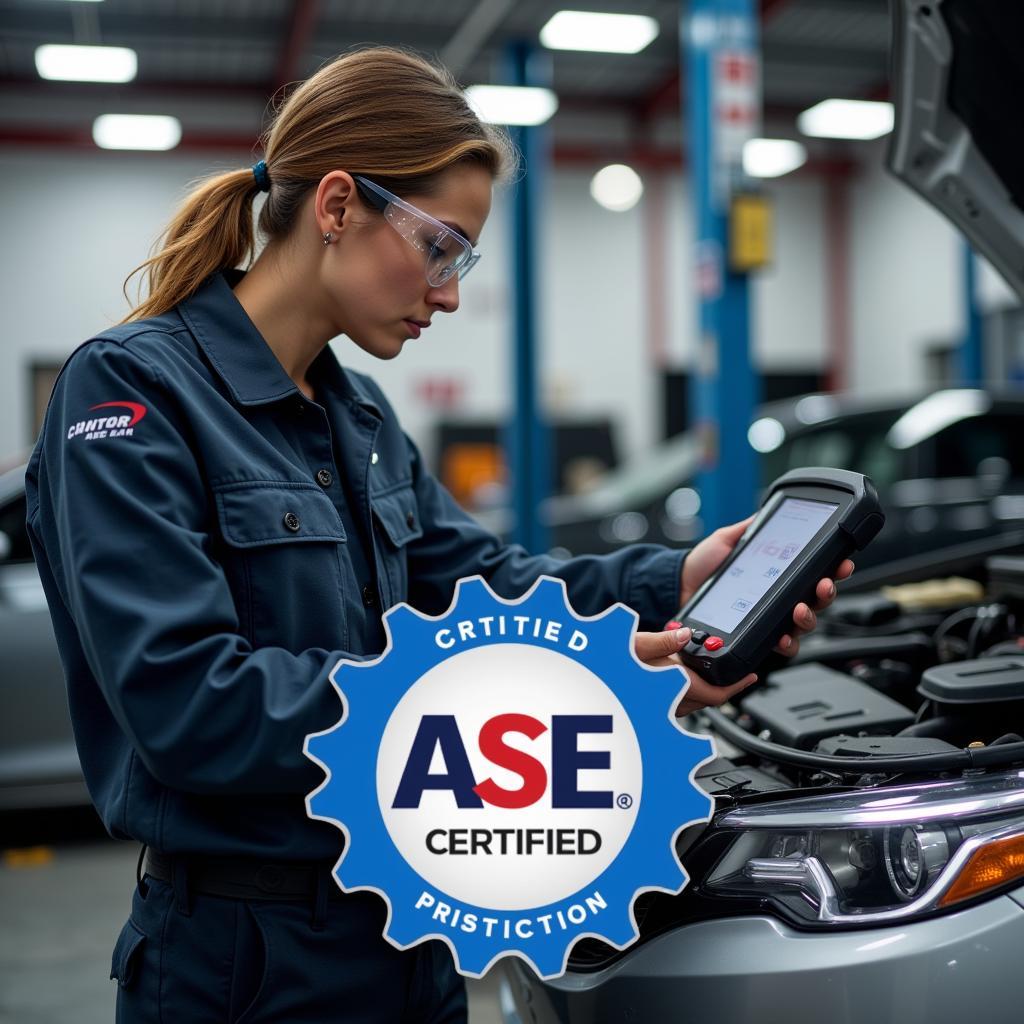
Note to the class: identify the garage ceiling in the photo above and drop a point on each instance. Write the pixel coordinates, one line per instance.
(215, 63)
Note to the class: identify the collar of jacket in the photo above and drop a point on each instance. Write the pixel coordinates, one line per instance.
(239, 353)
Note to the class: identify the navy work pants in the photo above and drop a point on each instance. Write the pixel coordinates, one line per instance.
(187, 956)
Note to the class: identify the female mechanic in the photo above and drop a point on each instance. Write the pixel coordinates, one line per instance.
(220, 511)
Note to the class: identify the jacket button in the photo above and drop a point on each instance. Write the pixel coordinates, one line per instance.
(410, 520)
(291, 521)
(369, 595)
(300, 407)
(324, 478)
(374, 458)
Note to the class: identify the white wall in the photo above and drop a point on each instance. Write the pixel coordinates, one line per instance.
(75, 223)
(908, 281)
(907, 285)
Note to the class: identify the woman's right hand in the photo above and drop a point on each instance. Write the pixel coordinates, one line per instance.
(662, 649)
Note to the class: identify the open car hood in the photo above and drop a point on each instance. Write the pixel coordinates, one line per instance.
(958, 85)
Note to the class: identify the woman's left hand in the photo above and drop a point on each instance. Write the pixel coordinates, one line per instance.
(709, 554)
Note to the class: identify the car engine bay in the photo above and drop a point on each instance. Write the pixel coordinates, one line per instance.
(855, 780)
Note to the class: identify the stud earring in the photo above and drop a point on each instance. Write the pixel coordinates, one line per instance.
(328, 238)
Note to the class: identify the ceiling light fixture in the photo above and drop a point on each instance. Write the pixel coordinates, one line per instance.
(512, 104)
(136, 131)
(772, 158)
(617, 187)
(86, 63)
(847, 119)
(604, 33)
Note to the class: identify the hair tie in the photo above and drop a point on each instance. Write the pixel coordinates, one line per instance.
(259, 172)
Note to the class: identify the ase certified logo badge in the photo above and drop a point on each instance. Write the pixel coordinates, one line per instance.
(508, 776)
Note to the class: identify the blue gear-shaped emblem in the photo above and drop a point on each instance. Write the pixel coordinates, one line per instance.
(370, 691)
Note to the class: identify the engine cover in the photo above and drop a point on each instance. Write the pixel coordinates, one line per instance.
(984, 680)
(807, 703)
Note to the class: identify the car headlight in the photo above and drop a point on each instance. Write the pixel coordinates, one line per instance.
(876, 856)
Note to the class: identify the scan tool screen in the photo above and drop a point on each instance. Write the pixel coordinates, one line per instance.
(761, 562)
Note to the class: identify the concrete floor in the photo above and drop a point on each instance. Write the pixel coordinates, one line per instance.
(64, 895)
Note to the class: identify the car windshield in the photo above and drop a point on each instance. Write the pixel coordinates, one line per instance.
(859, 443)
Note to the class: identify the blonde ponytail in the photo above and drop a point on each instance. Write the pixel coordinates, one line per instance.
(382, 112)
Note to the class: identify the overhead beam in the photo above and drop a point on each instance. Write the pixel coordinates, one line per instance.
(49, 23)
(81, 138)
(474, 31)
(638, 155)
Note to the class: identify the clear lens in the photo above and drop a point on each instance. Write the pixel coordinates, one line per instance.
(446, 253)
(915, 856)
(876, 856)
(910, 855)
(818, 873)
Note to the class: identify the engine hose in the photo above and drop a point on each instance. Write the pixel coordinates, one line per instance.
(939, 726)
(976, 757)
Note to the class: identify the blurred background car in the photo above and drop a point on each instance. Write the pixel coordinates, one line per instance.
(949, 467)
(39, 765)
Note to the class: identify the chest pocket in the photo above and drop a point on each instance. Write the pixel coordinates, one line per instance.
(283, 563)
(397, 520)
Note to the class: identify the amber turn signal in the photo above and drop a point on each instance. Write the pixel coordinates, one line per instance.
(994, 864)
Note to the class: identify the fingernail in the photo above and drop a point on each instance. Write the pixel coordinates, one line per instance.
(682, 635)
(832, 590)
(787, 642)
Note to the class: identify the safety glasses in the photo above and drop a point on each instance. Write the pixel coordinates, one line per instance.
(446, 251)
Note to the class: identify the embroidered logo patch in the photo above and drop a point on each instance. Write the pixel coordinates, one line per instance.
(509, 776)
(108, 425)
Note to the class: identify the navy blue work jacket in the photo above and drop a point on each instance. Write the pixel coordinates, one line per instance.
(199, 526)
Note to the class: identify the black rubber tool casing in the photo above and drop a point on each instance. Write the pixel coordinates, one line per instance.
(851, 527)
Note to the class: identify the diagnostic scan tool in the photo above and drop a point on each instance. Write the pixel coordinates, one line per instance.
(811, 519)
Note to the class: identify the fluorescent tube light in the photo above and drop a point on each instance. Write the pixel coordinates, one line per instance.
(847, 119)
(604, 33)
(512, 104)
(86, 63)
(136, 131)
(617, 187)
(771, 158)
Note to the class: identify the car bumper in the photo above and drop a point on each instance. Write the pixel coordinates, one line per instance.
(954, 968)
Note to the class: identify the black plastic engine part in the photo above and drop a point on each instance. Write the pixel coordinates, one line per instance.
(994, 755)
(835, 650)
(1015, 646)
(806, 703)
(882, 746)
(864, 609)
(1006, 576)
(886, 676)
(724, 776)
(937, 726)
(984, 680)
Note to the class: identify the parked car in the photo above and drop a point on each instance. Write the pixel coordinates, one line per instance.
(39, 764)
(866, 857)
(861, 796)
(949, 469)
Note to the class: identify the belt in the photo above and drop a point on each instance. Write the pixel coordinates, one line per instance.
(244, 879)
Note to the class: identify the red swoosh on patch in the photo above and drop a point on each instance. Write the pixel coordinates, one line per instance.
(138, 411)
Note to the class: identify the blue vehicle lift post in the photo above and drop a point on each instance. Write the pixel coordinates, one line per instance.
(527, 445)
(972, 347)
(724, 389)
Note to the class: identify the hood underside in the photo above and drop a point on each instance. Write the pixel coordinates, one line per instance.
(958, 85)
